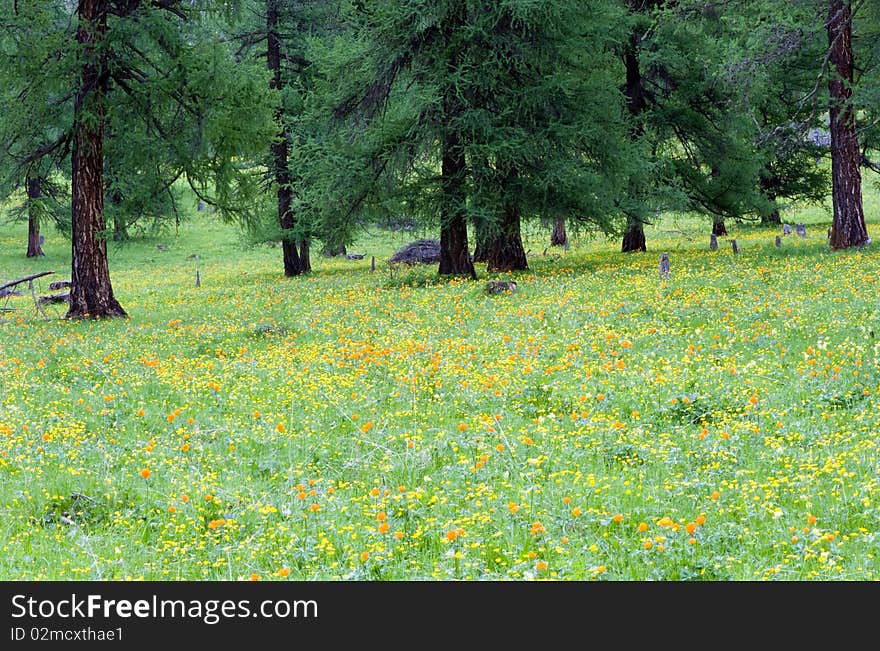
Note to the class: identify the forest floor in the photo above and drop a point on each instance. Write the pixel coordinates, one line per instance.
(600, 422)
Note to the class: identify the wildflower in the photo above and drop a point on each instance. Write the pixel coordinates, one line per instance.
(145, 473)
(284, 571)
(540, 566)
(618, 517)
(643, 526)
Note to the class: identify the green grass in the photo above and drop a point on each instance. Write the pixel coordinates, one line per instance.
(286, 422)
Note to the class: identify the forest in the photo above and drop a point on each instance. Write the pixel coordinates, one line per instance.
(461, 289)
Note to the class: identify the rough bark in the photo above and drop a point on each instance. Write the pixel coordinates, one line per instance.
(768, 189)
(506, 252)
(559, 237)
(634, 238)
(34, 192)
(718, 227)
(455, 255)
(481, 248)
(91, 294)
(293, 262)
(636, 102)
(848, 226)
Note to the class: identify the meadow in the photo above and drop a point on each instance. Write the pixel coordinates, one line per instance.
(599, 423)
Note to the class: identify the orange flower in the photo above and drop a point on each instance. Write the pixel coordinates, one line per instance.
(811, 519)
(170, 418)
(643, 526)
(462, 427)
(255, 577)
(383, 527)
(398, 535)
(171, 509)
(499, 447)
(513, 507)
(618, 517)
(540, 566)
(374, 492)
(692, 541)
(648, 544)
(284, 571)
(381, 516)
(576, 511)
(184, 498)
(700, 519)
(715, 495)
(366, 427)
(451, 535)
(185, 447)
(600, 397)
(537, 528)
(690, 527)
(566, 500)
(754, 398)
(145, 473)
(140, 412)
(364, 557)
(280, 427)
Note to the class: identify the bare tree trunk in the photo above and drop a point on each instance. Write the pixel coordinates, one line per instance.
(34, 192)
(636, 102)
(304, 260)
(848, 227)
(91, 294)
(481, 248)
(768, 189)
(506, 252)
(455, 255)
(293, 262)
(718, 227)
(634, 238)
(559, 237)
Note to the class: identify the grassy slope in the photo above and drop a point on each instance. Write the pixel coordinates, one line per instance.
(349, 425)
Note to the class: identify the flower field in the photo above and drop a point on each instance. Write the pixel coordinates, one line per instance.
(599, 423)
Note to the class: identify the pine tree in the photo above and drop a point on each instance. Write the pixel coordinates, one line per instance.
(141, 90)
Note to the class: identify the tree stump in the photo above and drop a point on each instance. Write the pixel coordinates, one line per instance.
(500, 286)
(373, 264)
(778, 241)
(786, 229)
(664, 265)
(198, 279)
(801, 230)
(713, 242)
(734, 246)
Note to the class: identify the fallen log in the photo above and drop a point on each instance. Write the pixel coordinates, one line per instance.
(13, 283)
(54, 298)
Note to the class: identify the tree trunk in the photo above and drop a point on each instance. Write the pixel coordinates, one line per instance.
(848, 227)
(455, 256)
(559, 237)
(483, 237)
(293, 263)
(768, 189)
(304, 260)
(91, 294)
(506, 251)
(772, 219)
(634, 238)
(718, 227)
(34, 192)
